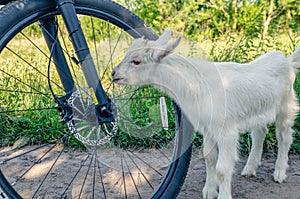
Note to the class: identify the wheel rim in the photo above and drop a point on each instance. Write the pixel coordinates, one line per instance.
(118, 177)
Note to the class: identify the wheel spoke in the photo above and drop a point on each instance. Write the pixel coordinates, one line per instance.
(47, 174)
(29, 64)
(37, 161)
(22, 154)
(123, 177)
(132, 178)
(94, 177)
(95, 44)
(22, 82)
(32, 132)
(112, 51)
(24, 92)
(27, 110)
(140, 170)
(101, 178)
(85, 177)
(147, 164)
(75, 176)
(34, 44)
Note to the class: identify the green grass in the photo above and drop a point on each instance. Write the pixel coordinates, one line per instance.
(24, 86)
(235, 48)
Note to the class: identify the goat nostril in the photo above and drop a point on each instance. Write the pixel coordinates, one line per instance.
(113, 73)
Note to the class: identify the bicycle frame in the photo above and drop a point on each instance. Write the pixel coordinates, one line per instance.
(49, 28)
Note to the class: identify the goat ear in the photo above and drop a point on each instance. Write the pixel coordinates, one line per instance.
(165, 37)
(171, 46)
(166, 49)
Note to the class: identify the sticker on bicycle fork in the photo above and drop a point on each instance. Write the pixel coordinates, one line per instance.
(2, 194)
(163, 113)
(93, 96)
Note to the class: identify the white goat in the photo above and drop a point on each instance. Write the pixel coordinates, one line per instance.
(221, 100)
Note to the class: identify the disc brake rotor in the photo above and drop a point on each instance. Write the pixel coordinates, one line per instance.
(84, 124)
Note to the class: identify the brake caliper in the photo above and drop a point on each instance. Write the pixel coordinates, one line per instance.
(64, 108)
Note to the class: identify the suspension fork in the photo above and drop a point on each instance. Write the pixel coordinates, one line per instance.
(49, 29)
(101, 100)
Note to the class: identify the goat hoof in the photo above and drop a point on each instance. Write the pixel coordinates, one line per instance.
(279, 176)
(248, 172)
(209, 193)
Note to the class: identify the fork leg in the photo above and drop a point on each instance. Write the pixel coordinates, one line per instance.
(101, 100)
(49, 29)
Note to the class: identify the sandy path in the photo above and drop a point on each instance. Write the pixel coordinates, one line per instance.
(260, 187)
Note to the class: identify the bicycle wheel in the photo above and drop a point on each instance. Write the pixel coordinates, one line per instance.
(138, 156)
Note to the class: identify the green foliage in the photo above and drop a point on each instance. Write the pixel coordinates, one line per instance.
(227, 30)
(29, 127)
(198, 139)
(144, 129)
(211, 19)
(203, 19)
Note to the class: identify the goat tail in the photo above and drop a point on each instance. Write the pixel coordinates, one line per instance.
(294, 58)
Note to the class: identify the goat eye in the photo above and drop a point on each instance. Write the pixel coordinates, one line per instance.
(135, 62)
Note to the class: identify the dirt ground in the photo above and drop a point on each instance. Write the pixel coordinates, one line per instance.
(260, 187)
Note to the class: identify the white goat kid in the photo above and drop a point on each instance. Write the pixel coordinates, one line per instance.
(221, 100)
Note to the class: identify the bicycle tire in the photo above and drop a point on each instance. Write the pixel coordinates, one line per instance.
(3, 2)
(19, 14)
